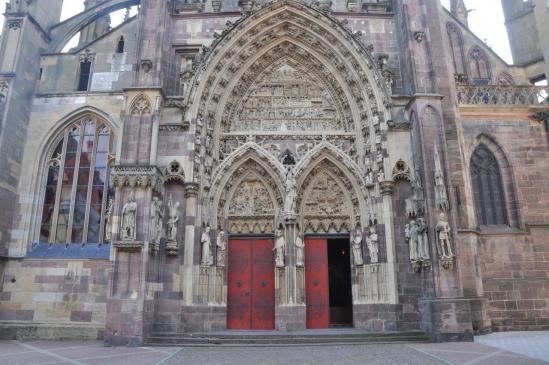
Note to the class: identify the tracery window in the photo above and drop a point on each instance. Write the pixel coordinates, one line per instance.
(488, 190)
(456, 46)
(479, 66)
(77, 192)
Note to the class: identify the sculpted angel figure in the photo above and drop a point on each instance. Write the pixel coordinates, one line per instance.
(356, 244)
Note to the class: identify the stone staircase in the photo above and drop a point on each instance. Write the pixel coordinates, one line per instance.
(275, 338)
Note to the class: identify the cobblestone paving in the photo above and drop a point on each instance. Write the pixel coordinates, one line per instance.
(93, 352)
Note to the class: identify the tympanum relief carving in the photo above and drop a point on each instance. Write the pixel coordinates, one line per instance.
(251, 209)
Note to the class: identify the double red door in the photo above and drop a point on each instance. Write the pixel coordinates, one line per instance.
(250, 298)
(317, 283)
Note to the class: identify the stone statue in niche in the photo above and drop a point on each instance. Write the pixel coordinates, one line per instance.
(412, 235)
(356, 244)
(299, 251)
(441, 196)
(423, 240)
(291, 192)
(205, 240)
(279, 248)
(129, 216)
(373, 245)
(444, 243)
(155, 229)
(221, 244)
(108, 223)
(173, 219)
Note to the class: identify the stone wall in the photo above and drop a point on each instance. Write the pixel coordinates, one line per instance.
(54, 299)
(514, 262)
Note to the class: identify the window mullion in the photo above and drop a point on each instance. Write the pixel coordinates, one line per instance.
(75, 182)
(105, 199)
(60, 174)
(90, 184)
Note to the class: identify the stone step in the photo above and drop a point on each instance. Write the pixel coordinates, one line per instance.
(281, 339)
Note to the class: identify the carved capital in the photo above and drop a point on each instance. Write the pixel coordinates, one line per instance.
(387, 187)
(191, 190)
(137, 176)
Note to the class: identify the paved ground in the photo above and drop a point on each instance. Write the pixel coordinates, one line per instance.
(88, 353)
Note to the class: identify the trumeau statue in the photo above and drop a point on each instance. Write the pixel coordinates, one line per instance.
(279, 248)
(205, 240)
(299, 251)
(156, 224)
(291, 192)
(129, 216)
(173, 219)
(441, 196)
(444, 243)
(356, 243)
(373, 245)
(221, 244)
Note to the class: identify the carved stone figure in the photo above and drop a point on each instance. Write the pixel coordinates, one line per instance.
(373, 245)
(108, 223)
(412, 235)
(444, 243)
(356, 243)
(441, 196)
(173, 219)
(279, 248)
(129, 215)
(205, 240)
(423, 239)
(291, 192)
(221, 244)
(156, 224)
(299, 251)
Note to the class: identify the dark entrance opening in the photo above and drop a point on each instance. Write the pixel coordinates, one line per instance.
(339, 279)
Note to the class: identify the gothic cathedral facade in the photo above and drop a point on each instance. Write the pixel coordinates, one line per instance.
(277, 165)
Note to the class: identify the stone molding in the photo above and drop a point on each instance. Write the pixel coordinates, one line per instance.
(137, 176)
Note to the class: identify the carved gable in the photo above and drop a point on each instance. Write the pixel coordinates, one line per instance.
(287, 100)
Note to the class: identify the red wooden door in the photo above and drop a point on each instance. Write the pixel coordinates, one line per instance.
(250, 281)
(263, 301)
(316, 283)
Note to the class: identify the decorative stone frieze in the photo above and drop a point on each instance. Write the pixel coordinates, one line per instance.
(137, 176)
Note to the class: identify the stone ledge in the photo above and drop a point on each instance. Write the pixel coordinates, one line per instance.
(19, 330)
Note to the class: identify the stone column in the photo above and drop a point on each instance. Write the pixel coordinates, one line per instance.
(392, 286)
(191, 195)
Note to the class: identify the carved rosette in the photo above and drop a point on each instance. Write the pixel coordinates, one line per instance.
(138, 177)
(174, 173)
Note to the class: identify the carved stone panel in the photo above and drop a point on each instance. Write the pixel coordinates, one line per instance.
(251, 209)
(324, 208)
(287, 100)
